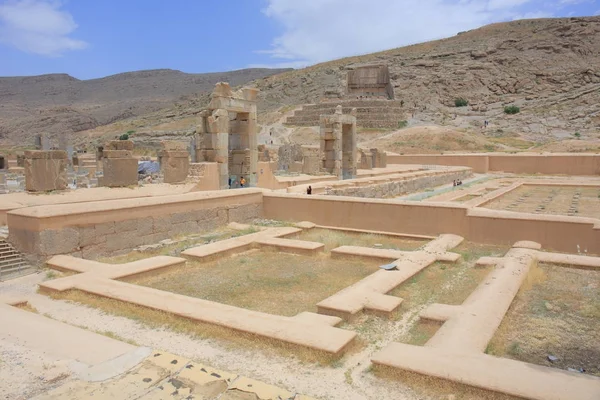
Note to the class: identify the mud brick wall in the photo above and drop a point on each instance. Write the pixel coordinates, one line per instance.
(98, 229)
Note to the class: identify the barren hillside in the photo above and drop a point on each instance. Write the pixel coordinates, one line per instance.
(60, 103)
(550, 68)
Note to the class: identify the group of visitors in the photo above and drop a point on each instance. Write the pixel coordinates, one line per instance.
(242, 183)
(456, 182)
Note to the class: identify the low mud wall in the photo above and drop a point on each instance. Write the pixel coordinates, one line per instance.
(106, 228)
(548, 164)
(559, 233)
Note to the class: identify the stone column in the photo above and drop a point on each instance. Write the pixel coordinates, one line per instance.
(253, 146)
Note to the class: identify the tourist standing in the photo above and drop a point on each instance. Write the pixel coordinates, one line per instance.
(309, 190)
(242, 182)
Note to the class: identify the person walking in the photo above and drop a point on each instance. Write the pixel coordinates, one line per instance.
(309, 190)
(242, 182)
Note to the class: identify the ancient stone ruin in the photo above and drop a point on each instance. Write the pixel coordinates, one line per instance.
(372, 158)
(338, 144)
(370, 81)
(227, 134)
(45, 170)
(174, 161)
(118, 164)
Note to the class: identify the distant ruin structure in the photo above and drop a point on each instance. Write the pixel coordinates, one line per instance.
(118, 164)
(338, 144)
(370, 81)
(45, 170)
(174, 161)
(227, 134)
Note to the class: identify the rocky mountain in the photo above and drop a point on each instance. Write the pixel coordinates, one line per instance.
(549, 68)
(59, 103)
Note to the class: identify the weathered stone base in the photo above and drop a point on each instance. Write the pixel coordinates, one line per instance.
(117, 227)
(398, 187)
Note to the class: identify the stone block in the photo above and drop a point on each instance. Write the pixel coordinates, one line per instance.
(172, 145)
(45, 171)
(119, 145)
(119, 172)
(161, 224)
(106, 228)
(145, 226)
(183, 217)
(244, 213)
(175, 168)
(87, 236)
(117, 154)
(122, 241)
(183, 228)
(63, 241)
(154, 238)
(125, 226)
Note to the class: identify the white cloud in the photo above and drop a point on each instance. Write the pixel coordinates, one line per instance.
(38, 26)
(320, 30)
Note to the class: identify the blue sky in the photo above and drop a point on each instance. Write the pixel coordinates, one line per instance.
(95, 38)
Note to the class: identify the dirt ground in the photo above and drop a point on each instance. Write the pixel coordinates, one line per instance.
(556, 314)
(565, 200)
(287, 284)
(267, 281)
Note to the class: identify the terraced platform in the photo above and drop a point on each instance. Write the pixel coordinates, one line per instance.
(385, 114)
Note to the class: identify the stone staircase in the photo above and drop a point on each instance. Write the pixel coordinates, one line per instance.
(376, 114)
(12, 264)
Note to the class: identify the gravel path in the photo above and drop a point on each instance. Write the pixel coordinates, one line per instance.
(23, 369)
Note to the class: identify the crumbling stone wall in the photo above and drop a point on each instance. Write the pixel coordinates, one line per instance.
(288, 154)
(118, 164)
(366, 159)
(389, 189)
(379, 158)
(338, 144)
(227, 134)
(122, 225)
(45, 170)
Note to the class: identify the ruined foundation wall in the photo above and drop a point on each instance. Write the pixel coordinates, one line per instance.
(558, 233)
(107, 228)
(396, 188)
(549, 164)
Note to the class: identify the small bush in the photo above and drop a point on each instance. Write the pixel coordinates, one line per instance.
(512, 109)
(124, 136)
(402, 124)
(577, 135)
(460, 102)
(130, 132)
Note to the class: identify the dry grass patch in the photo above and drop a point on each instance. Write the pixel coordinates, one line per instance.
(556, 312)
(445, 283)
(263, 280)
(182, 243)
(436, 389)
(334, 238)
(225, 337)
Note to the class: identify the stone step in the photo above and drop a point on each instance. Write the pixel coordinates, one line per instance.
(356, 103)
